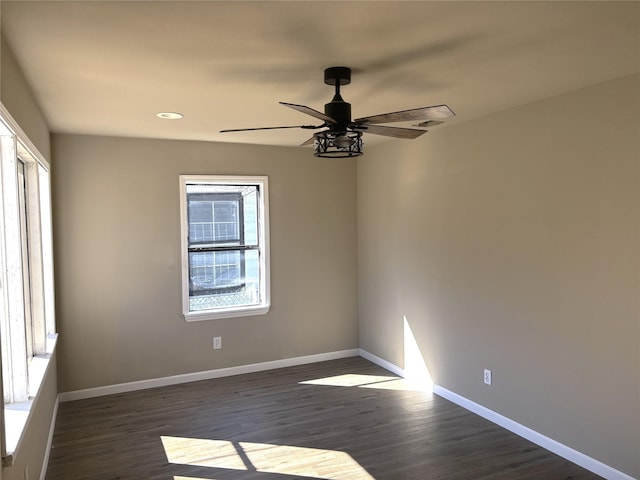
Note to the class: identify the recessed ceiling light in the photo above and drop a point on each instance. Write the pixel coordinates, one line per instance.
(169, 115)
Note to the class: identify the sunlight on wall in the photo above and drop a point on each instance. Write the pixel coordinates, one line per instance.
(263, 457)
(415, 368)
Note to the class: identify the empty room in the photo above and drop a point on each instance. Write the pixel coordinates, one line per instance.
(332, 240)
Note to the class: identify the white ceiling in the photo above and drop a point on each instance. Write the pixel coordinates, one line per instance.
(106, 67)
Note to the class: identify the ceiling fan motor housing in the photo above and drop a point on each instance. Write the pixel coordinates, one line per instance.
(340, 111)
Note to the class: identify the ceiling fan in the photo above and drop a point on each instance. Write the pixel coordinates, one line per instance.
(342, 137)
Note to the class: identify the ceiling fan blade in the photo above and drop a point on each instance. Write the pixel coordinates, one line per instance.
(308, 142)
(437, 112)
(310, 111)
(395, 132)
(307, 127)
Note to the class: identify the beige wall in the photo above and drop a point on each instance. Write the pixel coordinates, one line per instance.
(17, 97)
(117, 249)
(511, 243)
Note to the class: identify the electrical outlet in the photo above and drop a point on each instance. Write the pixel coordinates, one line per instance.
(487, 376)
(217, 343)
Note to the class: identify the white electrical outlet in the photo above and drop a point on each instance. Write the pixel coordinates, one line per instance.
(217, 343)
(487, 376)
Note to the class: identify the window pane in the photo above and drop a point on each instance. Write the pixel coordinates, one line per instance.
(23, 201)
(47, 250)
(250, 206)
(215, 217)
(225, 220)
(217, 279)
(252, 269)
(200, 221)
(214, 271)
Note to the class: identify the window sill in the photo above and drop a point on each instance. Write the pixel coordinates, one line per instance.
(18, 414)
(227, 313)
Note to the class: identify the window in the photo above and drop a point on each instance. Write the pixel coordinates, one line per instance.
(225, 253)
(27, 325)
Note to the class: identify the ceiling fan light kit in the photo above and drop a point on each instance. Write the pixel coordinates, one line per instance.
(330, 144)
(342, 136)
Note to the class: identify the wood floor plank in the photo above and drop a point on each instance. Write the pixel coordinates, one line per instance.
(346, 423)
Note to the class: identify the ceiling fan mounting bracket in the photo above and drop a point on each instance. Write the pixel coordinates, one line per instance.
(337, 76)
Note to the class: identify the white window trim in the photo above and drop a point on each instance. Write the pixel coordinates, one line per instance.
(15, 417)
(263, 232)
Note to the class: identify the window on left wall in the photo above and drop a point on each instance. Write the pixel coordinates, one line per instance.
(27, 323)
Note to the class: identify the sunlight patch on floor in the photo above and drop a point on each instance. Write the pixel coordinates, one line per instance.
(382, 382)
(192, 478)
(398, 384)
(263, 457)
(203, 453)
(349, 380)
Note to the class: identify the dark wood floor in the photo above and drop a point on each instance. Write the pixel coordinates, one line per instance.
(269, 426)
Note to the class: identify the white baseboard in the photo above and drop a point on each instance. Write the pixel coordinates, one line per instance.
(206, 375)
(539, 439)
(45, 460)
(543, 441)
(393, 368)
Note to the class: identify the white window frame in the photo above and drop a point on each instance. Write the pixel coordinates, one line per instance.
(27, 312)
(263, 240)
